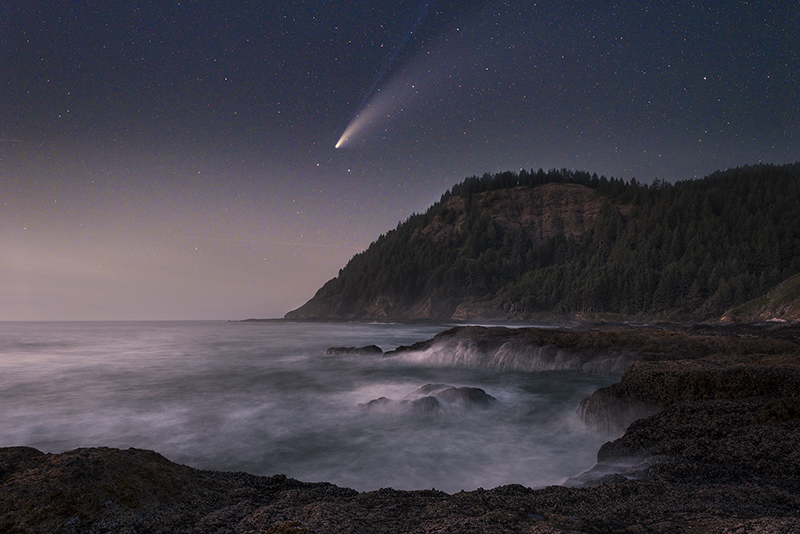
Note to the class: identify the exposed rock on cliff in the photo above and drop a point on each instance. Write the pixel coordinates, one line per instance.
(538, 213)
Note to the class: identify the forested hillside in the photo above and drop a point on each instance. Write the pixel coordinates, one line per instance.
(532, 244)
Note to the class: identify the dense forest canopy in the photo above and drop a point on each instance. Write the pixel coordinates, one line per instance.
(691, 249)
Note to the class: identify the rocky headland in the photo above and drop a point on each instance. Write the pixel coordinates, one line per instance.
(536, 245)
(712, 418)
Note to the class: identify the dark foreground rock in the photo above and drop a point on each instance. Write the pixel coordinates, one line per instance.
(698, 490)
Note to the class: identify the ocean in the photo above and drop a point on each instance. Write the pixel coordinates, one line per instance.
(263, 397)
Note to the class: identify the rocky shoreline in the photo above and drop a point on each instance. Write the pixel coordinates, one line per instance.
(712, 447)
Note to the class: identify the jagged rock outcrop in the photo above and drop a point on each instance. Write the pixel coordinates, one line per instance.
(606, 348)
(519, 350)
(647, 387)
(736, 438)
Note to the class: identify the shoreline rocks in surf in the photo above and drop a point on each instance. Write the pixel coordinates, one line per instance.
(718, 455)
(430, 398)
(522, 349)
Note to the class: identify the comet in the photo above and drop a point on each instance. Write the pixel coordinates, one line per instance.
(447, 65)
(372, 114)
(368, 110)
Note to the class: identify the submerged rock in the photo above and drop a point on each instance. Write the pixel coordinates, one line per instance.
(424, 405)
(429, 398)
(358, 351)
(378, 403)
(466, 396)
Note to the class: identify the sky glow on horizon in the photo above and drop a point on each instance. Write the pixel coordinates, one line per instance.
(165, 161)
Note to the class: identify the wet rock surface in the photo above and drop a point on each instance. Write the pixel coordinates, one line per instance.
(644, 342)
(647, 387)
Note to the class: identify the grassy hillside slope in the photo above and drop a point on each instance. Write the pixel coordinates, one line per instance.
(780, 304)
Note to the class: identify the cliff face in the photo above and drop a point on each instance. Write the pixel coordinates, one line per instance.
(545, 211)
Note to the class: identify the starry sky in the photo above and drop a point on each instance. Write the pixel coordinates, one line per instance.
(178, 159)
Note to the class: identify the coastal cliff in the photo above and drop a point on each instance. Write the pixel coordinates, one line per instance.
(717, 454)
(518, 246)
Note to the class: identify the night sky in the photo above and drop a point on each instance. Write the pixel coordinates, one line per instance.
(177, 160)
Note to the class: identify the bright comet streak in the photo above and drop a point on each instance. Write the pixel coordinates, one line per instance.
(379, 107)
(438, 68)
(366, 103)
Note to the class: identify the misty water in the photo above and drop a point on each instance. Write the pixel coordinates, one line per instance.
(265, 399)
